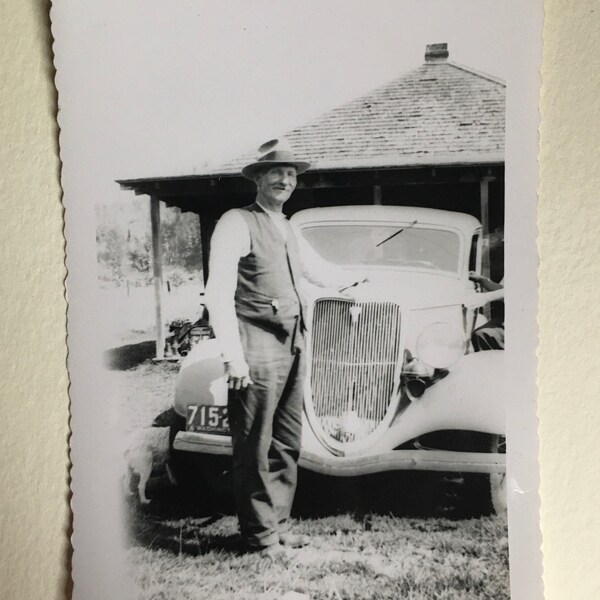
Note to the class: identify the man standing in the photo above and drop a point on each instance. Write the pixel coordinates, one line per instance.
(257, 261)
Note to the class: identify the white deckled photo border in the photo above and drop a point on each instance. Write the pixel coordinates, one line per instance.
(153, 96)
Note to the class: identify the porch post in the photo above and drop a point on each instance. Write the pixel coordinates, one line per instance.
(205, 234)
(377, 195)
(157, 275)
(484, 198)
(377, 191)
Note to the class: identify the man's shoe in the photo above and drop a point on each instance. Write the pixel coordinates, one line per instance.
(292, 540)
(274, 551)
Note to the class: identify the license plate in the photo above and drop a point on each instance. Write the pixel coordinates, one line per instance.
(207, 419)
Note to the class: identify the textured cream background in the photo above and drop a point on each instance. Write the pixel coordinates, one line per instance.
(569, 276)
(33, 380)
(33, 385)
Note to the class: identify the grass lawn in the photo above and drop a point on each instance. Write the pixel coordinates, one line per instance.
(178, 553)
(383, 556)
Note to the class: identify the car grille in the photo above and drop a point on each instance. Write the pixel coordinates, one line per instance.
(355, 348)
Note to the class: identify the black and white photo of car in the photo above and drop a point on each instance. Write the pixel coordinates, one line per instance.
(389, 368)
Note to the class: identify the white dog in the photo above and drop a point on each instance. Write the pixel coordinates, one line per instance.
(145, 448)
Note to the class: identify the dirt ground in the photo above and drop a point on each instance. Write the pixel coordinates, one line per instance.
(408, 536)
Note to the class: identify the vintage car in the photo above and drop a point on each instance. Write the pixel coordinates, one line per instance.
(393, 382)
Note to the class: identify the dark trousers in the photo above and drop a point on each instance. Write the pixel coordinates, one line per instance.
(266, 429)
(489, 336)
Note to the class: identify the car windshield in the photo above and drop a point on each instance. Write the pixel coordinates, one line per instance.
(357, 244)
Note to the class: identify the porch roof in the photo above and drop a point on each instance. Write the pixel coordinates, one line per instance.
(440, 114)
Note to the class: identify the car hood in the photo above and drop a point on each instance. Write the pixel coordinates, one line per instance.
(409, 289)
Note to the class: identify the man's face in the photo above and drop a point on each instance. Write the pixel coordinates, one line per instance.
(277, 184)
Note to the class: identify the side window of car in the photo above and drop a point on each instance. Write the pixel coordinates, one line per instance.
(473, 253)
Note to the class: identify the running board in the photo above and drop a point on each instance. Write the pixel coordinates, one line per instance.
(349, 466)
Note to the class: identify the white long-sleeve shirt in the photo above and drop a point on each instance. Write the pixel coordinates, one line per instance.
(230, 242)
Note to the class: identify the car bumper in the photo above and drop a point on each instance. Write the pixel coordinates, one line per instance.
(364, 464)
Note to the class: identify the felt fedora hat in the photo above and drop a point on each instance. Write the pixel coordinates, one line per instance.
(272, 153)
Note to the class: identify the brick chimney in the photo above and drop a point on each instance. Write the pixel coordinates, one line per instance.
(436, 53)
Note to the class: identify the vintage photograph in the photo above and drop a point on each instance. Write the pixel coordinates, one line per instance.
(286, 236)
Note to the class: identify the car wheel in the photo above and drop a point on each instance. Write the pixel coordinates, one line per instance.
(204, 480)
(188, 469)
(469, 494)
(497, 481)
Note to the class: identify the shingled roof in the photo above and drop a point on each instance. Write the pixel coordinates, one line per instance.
(439, 114)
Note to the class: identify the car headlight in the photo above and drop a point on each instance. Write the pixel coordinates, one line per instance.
(441, 345)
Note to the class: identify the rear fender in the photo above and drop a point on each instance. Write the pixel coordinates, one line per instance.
(201, 379)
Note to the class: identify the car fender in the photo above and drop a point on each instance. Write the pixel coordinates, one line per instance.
(201, 378)
(471, 397)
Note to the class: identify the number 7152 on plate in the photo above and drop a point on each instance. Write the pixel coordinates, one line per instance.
(207, 419)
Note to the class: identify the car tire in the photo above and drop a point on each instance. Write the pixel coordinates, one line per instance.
(464, 494)
(490, 488)
(187, 468)
(204, 480)
(497, 481)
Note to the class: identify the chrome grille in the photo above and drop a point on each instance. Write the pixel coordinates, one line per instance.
(355, 350)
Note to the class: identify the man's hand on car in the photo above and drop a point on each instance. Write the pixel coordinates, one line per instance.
(487, 284)
(238, 376)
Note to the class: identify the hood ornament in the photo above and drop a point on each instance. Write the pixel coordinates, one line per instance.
(355, 311)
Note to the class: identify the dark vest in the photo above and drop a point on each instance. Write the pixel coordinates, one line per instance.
(266, 291)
